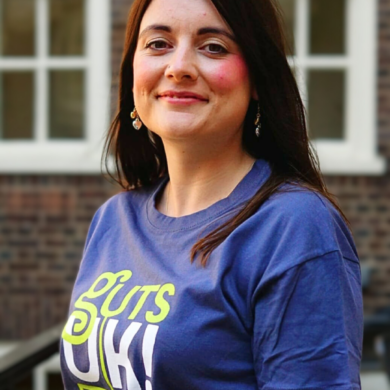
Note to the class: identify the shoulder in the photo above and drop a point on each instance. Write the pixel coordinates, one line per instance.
(309, 216)
(296, 225)
(302, 207)
(129, 201)
(120, 208)
(299, 206)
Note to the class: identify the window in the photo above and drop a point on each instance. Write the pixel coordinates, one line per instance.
(334, 60)
(54, 84)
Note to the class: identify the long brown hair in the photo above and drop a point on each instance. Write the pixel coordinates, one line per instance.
(140, 157)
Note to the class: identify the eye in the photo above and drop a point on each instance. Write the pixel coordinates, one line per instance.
(157, 45)
(215, 48)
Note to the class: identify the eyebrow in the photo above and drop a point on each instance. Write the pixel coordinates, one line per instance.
(155, 27)
(214, 30)
(201, 31)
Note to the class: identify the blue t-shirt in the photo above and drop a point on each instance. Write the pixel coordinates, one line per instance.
(278, 307)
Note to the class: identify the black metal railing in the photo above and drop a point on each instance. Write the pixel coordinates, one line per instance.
(20, 361)
(377, 324)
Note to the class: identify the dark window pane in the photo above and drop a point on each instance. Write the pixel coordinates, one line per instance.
(326, 104)
(16, 105)
(327, 26)
(66, 27)
(66, 104)
(25, 383)
(288, 9)
(54, 381)
(17, 32)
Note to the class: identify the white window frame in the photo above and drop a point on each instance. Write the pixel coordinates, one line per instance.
(43, 155)
(357, 152)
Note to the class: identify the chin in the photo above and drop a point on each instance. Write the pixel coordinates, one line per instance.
(177, 126)
(176, 131)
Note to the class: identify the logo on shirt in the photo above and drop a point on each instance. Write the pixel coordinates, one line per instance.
(95, 327)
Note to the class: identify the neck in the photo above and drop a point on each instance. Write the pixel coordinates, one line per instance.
(198, 180)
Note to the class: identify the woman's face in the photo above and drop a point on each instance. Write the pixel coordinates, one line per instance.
(190, 78)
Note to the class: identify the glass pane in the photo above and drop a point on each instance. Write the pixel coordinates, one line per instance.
(326, 103)
(66, 104)
(17, 20)
(327, 26)
(16, 105)
(288, 9)
(66, 27)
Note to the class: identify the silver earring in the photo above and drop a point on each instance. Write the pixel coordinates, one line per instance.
(137, 124)
(257, 122)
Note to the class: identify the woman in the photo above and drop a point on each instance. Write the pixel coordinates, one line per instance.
(225, 264)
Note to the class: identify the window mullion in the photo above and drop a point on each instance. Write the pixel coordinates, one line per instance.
(88, 84)
(14, 63)
(352, 81)
(1, 81)
(41, 87)
(1, 108)
(98, 73)
(362, 75)
(326, 62)
(302, 43)
(349, 109)
(302, 27)
(67, 63)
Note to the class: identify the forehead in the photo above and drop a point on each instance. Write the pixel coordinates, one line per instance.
(188, 14)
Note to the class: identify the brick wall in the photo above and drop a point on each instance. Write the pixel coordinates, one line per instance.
(366, 203)
(44, 219)
(43, 224)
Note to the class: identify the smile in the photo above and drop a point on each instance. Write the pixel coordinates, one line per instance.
(184, 97)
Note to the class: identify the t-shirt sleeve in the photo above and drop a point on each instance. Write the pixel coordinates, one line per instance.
(308, 326)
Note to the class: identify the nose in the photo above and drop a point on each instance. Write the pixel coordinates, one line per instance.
(182, 65)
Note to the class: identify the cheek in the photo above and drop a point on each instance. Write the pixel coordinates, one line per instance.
(230, 74)
(145, 75)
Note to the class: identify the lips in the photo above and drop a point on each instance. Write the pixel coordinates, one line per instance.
(182, 95)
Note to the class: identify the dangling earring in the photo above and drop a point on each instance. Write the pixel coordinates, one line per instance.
(257, 122)
(137, 124)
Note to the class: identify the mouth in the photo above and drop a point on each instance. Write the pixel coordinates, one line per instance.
(183, 96)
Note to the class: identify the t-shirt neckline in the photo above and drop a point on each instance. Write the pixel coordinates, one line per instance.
(244, 190)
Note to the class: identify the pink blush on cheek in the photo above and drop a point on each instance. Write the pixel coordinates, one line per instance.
(231, 72)
(145, 74)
